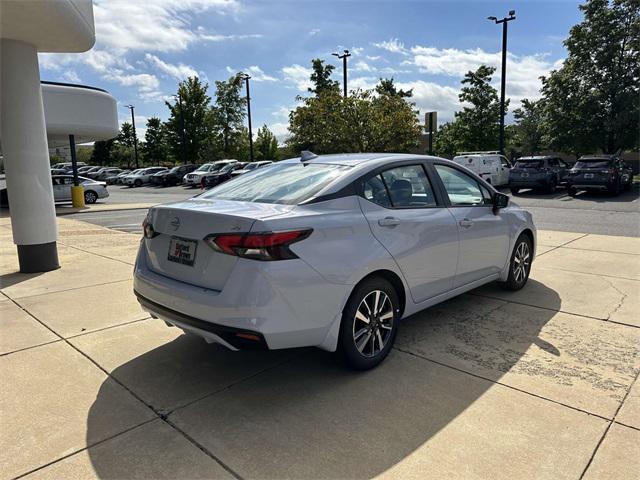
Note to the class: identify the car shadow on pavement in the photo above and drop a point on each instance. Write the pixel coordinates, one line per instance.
(306, 416)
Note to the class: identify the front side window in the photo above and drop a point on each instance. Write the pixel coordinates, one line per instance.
(505, 162)
(288, 183)
(461, 189)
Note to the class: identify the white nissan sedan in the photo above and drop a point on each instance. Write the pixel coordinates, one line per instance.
(329, 251)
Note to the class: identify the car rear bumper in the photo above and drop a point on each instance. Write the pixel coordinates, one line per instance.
(528, 182)
(286, 303)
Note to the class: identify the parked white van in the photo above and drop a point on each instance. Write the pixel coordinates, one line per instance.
(491, 166)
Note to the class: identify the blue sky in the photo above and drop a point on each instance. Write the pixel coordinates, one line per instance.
(143, 48)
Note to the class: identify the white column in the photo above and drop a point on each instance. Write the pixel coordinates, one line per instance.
(26, 157)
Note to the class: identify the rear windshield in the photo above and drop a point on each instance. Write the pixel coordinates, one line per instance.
(529, 164)
(595, 163)
(287, 184)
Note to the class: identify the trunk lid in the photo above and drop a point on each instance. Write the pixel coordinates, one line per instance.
(184, 225)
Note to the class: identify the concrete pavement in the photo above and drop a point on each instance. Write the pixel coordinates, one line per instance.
(540, 383)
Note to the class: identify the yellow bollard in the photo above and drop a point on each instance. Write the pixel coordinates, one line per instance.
(77, 196)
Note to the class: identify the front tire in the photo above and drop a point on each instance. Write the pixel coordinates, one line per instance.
(137, 183)
(572, 191)
(519, 264)
(553, 184)
(515, 190)
(369, 324)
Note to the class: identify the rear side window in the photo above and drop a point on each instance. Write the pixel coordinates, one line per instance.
(288, 183)
(375, 191)
(408, 187)
(461, 188)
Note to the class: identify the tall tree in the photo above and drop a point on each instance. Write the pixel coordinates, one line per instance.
(266, 144)
(191, 109)
(593, 101)
(527, 134)
(321, 78)
(123, 151)
(386, 86)
(361, 122)
(155, 145)
(101, 154)
(476, 127)
(228, 113)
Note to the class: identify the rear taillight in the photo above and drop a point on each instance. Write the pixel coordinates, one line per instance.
(148, 230)
(266, 246)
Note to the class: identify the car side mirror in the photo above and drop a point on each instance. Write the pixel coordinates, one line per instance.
(500, 200)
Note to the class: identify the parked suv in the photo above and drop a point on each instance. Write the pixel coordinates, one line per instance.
(600, 172)
(194, 179)
(172, 177)
(544, 173)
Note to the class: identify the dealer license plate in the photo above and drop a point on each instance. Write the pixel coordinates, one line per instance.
(182, 250)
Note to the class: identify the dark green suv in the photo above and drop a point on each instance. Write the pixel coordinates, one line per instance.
(600, 172)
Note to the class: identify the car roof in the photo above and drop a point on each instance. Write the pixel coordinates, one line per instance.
(602, 156)
(539, 157)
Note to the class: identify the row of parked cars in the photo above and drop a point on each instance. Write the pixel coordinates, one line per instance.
(591, 172)
(206, 176)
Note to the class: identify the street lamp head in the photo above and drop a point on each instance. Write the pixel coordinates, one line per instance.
(492, 18)
(512, 13)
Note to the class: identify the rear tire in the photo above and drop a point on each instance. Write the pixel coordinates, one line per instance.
(615, 189)
(519, 264)
(137, 183)
(551, 187)
(90, 197)
(515, 190)
(572, 191)
(369, 324)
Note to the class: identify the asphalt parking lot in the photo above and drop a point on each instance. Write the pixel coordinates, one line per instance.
(588, 212)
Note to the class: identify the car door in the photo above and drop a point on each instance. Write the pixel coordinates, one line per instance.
(484, 235)
(58, 189)
(563, 170)
(408, 219)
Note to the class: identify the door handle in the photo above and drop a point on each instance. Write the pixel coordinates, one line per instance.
(389, 222)
(465, 223)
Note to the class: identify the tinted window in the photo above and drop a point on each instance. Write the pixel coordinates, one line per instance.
(203, 168)
(289, 183)
(375, 191)
(460, 187)
(529, 164)
(408, 187)
(595, 163)
(505, 162)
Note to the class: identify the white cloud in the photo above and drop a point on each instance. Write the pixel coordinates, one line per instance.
(255, 72)
(363, 83)
(71, 76)
(298, 75)
(523, 72)
(373, 58)
(429, 96)
(145, 82)
(362, 66)
(314, 32)
(280, 130)
(179, 72)
(152, 25)
(392, 45)
(221, 38)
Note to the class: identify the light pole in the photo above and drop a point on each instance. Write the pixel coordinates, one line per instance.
(246, 78)
(344, 57)
(504, 21)
(135, 138)
(183, 145)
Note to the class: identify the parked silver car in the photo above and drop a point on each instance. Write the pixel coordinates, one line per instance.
(250, 167)
(93, 190)
(194, 179)
(329, 251)
(142, 176)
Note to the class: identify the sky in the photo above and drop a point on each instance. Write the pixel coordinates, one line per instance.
(144, 48)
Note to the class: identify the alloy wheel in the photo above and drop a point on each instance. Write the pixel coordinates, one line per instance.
(373, 323)
(521, 262)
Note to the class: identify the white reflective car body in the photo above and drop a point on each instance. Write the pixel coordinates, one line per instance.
(93, 189)
(194, 179)
(423, 224)
(142, 176)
